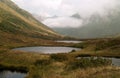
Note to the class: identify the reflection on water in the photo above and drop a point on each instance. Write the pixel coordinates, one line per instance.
(115, 61)
(66, 41)
(9, 74)
(49, 50)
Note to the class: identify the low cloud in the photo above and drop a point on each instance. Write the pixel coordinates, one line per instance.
(63, 22)
(65, 8)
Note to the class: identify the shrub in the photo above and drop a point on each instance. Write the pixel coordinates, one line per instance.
(59, 57)
(73, 50)
(88, 62)
(83, 55)
(42, 62)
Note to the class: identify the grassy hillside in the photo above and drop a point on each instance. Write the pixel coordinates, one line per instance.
(100, 47)
(18, 29)
(18, 22)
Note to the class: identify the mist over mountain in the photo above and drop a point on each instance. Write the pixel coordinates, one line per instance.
(38, 17)
(95, 27)
(76, 16)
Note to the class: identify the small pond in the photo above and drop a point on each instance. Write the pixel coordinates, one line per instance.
(69, 41)
(10, 74)
(115, 61)
(47, 50)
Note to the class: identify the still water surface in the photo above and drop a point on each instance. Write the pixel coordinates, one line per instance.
(50, 50)
(70, 41)
(9, 74)
(47, 50)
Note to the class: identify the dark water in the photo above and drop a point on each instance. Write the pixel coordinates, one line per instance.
(115, 61)
(66, 41)
(9, 74)
(47, 50)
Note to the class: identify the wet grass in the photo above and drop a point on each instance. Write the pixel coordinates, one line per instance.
(100, 47)
(47, 66)
(63, 65)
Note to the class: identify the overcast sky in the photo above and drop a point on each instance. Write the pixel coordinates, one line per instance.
(65, 8)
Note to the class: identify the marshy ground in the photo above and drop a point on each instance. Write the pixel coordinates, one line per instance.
(64, 65)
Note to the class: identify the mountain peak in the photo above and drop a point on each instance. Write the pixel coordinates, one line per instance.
(76, 15)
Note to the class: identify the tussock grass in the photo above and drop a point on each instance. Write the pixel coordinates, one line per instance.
(43, 66)
(100, 47)
(84, 63)
(56, 65)
(17, 30)
(59, 57)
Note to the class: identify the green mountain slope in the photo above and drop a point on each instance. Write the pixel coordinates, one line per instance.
(18, 22)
